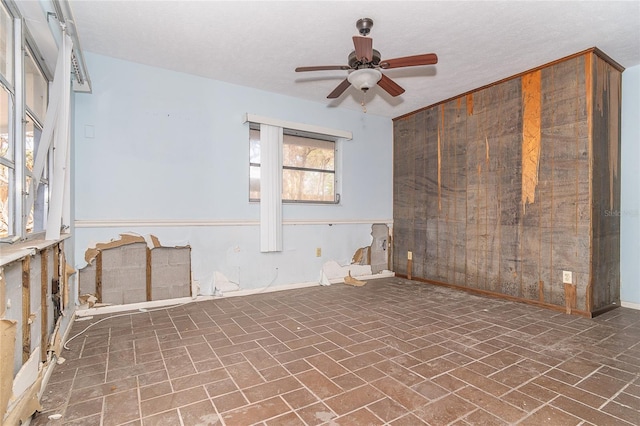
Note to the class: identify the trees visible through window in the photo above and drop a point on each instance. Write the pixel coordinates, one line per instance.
(308, 168)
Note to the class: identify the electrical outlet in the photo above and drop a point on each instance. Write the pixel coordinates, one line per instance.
(409, 255)
(567, 277)
(318, 251)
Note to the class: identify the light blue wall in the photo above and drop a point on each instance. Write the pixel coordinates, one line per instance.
(153, 144)
(172, 146)
(630, 198)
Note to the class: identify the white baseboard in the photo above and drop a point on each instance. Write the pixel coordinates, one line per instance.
(268, 289)
(630, 305)
(113, 309)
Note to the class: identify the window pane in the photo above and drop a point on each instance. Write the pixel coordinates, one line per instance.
(308, 173)
(5, 120)
(35, 87)
(254, 182)
(308, 153)
(6, 44)
(32, 141)
(254, 146)
(6, 227)
(298, 185)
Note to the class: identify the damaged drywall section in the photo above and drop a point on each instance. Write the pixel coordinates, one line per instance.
(34, 288)
(7, 344)
(368, 262)
(133, 269)
(26, 391)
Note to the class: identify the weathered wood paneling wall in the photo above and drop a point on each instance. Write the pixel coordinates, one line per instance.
(605, 208)
(502, 189)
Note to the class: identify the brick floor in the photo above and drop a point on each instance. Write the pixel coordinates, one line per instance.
(392, 352)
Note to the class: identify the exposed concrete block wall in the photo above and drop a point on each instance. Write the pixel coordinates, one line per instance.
(170, 272)
(379, 248)
(124, 274)
(128, 271)
(87, 278)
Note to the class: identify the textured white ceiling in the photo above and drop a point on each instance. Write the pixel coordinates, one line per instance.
(258, 44)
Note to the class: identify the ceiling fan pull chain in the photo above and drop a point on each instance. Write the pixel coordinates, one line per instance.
(364, 105)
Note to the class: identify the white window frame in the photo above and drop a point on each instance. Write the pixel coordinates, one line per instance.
(309, 131)
(271, 169)
(19, 114)
(313, 137)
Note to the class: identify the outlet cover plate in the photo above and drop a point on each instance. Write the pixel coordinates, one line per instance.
(567, 277)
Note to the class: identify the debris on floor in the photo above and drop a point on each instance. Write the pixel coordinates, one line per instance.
(333, 272)
(353, 281)
(88, 299)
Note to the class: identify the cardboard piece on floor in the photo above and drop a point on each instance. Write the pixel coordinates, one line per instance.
(333, 270)
(88, 299)
(353, 281)
(24, 408)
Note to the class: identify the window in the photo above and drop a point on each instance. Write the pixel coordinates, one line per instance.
(35, 85)
(37, 215)
(7, 162)
(6, 44)
(308, 167)
(23, 105)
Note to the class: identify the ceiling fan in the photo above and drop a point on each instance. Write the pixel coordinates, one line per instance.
(365, 63)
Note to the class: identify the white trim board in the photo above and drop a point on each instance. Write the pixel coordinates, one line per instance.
(164, 223)
(252, 118)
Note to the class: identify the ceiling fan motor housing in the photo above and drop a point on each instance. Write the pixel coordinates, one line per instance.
(356, 64)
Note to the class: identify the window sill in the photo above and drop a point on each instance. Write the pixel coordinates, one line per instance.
(12, 252)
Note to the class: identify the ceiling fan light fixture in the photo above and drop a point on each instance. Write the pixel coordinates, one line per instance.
(365, 78)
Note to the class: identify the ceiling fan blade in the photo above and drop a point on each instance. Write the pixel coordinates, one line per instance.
(364, 48)
(390, 86)
(410, 61)
(323, 68)
(339, 90)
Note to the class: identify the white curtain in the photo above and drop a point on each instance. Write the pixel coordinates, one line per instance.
(270, 188)
(56, 130)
